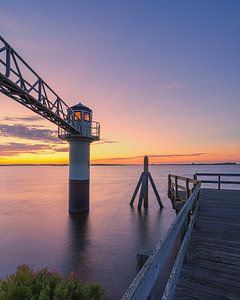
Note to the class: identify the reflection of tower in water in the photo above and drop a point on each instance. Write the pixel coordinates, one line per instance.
(77, 256)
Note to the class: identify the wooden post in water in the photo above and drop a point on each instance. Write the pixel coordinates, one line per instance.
(145, 172)
(143, 186)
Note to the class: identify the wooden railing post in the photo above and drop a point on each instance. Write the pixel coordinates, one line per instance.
(195, 178)
(187, 187)
(176, 187)
(219, 182)
(169, 185)
(142, 257)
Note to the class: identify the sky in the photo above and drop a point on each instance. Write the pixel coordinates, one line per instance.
(162, 78)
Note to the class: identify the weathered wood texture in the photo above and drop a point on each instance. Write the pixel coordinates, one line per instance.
(211, 269)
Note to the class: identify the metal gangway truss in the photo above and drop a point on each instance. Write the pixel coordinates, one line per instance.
(20, 82)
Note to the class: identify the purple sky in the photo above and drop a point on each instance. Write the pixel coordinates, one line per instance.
(161, 76)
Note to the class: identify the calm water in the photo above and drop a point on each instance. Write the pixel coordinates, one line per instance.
(101, 246)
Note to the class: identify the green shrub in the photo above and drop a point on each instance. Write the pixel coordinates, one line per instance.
(27, 284)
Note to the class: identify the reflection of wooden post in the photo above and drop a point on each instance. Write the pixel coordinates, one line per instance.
(176, 188)
(143, 186)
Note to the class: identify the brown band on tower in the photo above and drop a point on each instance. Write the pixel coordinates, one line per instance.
(78, 195)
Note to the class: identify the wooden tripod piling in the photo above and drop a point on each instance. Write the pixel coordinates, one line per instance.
(143, 186)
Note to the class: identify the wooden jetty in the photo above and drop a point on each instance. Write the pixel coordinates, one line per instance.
(206, 230)
(212, 264)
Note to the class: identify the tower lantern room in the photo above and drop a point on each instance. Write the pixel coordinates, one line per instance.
(82, 118)
(82, 113)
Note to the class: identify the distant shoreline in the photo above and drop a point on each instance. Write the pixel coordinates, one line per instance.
(120, 165)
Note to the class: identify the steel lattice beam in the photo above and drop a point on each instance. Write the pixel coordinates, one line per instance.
(20, 82)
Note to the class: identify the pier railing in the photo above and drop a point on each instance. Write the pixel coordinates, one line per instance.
(174, 187)
(146, 280)
(179, 189)
(219, 178)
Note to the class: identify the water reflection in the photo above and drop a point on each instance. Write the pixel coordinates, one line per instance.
(100, 246)
(76, 250)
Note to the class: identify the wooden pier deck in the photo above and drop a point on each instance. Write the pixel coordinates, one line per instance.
(211, 269)
(205, 237)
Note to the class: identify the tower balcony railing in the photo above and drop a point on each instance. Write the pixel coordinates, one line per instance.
(91, 131)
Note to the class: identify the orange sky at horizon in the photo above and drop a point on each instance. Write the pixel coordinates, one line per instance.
(38, 158)
(122, 150)
(116, 148)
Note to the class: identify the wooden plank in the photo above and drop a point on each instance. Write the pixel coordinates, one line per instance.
(212, 266)
(199, 291)
(218, 246)
(184, 294)
(216, 241)
(216, 255)
(221, 285)
(220, 274)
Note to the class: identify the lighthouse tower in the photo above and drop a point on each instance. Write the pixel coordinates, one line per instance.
(79, 155)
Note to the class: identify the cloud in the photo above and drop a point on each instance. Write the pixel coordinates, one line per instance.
(29, 132)
(12, 149)
(171, 86)
(160, 156)
(106, 141)
(27, 119)
(178, 155)
(60, 149)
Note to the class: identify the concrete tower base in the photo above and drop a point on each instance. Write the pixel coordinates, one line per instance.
(79, 155)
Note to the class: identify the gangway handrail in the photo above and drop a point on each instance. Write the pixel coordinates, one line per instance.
(146, 279)
(219, 180)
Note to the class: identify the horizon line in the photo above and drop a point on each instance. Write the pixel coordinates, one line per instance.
(136, 164)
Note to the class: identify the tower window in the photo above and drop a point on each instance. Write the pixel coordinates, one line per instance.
(77, 115)
(86, 117)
